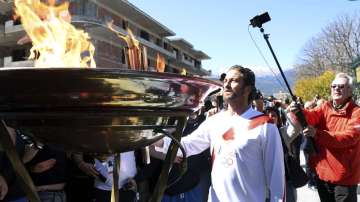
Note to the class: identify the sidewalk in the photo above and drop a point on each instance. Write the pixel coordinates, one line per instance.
(305, 194)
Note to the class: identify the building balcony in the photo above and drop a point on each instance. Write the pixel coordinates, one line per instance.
(8, 62)
(10, 33)
(98, 30)
(191, 64)
(157, 48)
(136, 16)
(11, 28)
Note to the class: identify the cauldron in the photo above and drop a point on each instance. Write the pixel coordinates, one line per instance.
(103, 110)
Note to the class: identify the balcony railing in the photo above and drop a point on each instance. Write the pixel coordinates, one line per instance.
(8, 62)
(11, 28)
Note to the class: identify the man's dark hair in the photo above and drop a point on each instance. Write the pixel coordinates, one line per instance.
(248, 77)
(287, 101)
(271, 98)
(258, 95)
(274, 109)
(222, 77)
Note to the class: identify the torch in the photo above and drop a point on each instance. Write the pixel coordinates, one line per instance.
(258, 21)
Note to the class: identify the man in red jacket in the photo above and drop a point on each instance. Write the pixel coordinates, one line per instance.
(335, 126)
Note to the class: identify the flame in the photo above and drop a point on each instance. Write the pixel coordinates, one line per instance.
(137, 54)
(160, 63)
(56, 42)
(183, 71)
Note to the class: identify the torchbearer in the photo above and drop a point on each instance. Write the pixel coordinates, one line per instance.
(246, 150)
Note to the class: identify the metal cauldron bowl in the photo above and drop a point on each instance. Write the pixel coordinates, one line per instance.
(103, 110)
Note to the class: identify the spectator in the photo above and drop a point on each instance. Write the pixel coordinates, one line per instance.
(102, 172)
(295, 176)
(48, 170)
(259, 102)
(337, 137)
(311, 184)
(222, 77)
(104, 182)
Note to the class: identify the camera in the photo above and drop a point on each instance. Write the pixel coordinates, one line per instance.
(259, 20)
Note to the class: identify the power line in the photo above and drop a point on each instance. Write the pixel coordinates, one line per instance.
(266, 62)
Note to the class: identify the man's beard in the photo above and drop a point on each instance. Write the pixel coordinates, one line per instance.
(234, 95)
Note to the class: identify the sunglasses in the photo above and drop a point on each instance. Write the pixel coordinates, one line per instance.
(341, 86)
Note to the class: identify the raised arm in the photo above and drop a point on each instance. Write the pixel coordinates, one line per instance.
(193, 144)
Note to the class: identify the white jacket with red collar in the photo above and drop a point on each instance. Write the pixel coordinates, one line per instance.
(246, 162)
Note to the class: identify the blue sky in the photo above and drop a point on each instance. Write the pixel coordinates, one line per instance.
(220, 27)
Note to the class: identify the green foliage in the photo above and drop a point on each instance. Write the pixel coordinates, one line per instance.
(356, 91)
(308, 88)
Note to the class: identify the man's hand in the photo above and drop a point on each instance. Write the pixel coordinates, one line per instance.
(212, 111)
(309, 131)
(178, 159)
(294, 107)
(131, 185)
(43, 166)
(3, 188)
(88, 168)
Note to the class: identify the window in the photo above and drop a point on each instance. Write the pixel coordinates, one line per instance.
(125, 24)
(144, 35)
(90, 9)
(175, 51)
(197, 64)
(166, 46)
(123, 56)
(186, 57)
(158, 42)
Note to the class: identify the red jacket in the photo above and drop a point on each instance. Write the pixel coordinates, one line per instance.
(338, 143)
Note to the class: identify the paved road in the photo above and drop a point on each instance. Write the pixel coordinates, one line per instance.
(306, 194)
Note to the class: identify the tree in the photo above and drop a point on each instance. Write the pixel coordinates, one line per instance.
(308, 88)
(335, 48)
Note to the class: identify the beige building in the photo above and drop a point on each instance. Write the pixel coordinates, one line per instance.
(282, 95)
(92, 15)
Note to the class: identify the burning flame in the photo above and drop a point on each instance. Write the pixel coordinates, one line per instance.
(56, 41)
(137, 54)
(160, 63)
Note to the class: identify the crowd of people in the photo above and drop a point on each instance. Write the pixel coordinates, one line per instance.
(240, 146)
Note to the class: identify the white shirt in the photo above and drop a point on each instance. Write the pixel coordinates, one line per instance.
(127, 170)
(247, 165)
